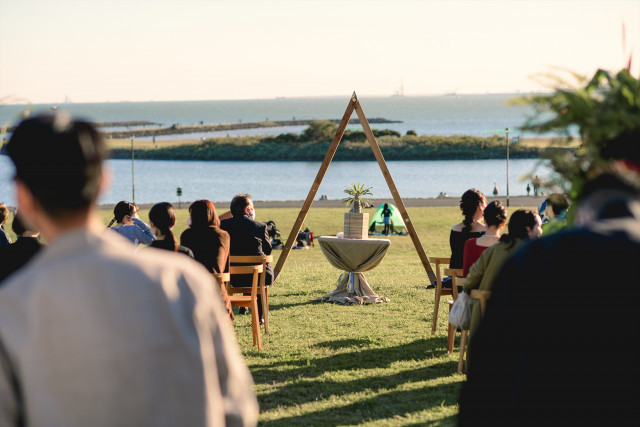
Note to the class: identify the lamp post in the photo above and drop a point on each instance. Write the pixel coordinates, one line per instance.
(507, 132)
(133, 183)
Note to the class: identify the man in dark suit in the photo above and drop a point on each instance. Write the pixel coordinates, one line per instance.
(248, 237)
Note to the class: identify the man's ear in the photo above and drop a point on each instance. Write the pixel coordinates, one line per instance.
(106, 181)
(27, 204)
(25, 199)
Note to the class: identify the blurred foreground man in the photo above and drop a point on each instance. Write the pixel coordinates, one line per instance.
(92, 333)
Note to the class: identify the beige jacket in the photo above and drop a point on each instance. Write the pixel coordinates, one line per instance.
(93, 334)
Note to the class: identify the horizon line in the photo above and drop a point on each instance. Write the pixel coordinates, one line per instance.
(71, 102)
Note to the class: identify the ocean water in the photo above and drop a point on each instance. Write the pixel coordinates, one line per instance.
(479, 115)
(156, 181)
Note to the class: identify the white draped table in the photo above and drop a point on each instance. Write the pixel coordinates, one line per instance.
(354, 256)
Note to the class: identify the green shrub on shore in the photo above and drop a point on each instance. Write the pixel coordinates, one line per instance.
(292, 147)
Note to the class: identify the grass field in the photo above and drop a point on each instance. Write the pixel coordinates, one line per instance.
(327, 364)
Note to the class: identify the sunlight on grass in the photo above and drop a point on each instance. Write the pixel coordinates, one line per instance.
(328, 364)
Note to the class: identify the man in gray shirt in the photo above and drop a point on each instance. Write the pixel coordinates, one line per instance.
(92, 333)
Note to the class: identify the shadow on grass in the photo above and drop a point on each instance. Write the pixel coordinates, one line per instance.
(276, 307)
(394, 405)
(337, 344)
(422, 349)
(309, 382)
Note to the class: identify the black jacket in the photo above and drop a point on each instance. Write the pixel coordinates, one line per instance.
(248, 237)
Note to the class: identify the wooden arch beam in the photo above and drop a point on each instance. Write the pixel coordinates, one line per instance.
(354, 104)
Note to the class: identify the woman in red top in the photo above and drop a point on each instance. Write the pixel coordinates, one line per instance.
(495, 216)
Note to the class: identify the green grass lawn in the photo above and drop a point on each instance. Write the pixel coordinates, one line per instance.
(328, 364)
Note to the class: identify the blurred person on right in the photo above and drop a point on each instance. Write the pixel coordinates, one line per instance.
(556, 213)
(555, 346)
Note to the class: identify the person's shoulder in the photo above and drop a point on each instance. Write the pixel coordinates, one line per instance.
(471, 242)
(222, 234)
(227, 223)
(458, 227)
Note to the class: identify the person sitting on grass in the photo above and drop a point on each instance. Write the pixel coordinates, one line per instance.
(125, 214)
(162, 219)
(495, 216)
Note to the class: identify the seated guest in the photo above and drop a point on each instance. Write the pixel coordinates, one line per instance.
(16, 255)
(523, 225)
(5, 240)
(472, 205)
(556, 211)
(248, 237)
(495, 216)
(162, 218)
(125, 214)
(209, 243)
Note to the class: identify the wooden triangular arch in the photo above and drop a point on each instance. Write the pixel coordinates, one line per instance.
(354, 104)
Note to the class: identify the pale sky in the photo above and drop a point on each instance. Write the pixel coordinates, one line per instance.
(132, 50)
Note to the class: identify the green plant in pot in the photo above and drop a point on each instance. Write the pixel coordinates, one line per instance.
(356, 223)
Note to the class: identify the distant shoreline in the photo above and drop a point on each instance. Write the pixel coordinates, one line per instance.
(410, 202)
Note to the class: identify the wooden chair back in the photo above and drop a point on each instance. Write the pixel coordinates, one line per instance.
(439, 263)
(249, 301)
(263, 290)
(456, 280)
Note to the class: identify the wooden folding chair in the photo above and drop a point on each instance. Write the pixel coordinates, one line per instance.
(439, 263)
(457, 279)
(482, 296)
(249, 301)
(262, 289)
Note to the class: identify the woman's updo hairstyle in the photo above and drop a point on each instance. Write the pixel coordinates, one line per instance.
(163, 216)
(495, 213)
(520, 223)
(121, 210)
(469, 203)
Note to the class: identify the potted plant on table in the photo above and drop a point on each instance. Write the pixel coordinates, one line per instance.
(356, 222)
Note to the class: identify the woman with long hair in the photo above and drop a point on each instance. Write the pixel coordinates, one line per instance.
(208, 242)
(495, 217)
(128, 225)
(472, 204)
(523, 225)
(162, 219)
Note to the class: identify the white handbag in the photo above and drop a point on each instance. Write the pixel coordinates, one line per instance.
(460, 314)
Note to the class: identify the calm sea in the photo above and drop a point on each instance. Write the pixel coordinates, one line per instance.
(155, 181)
(479, 115)
(444, 115)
